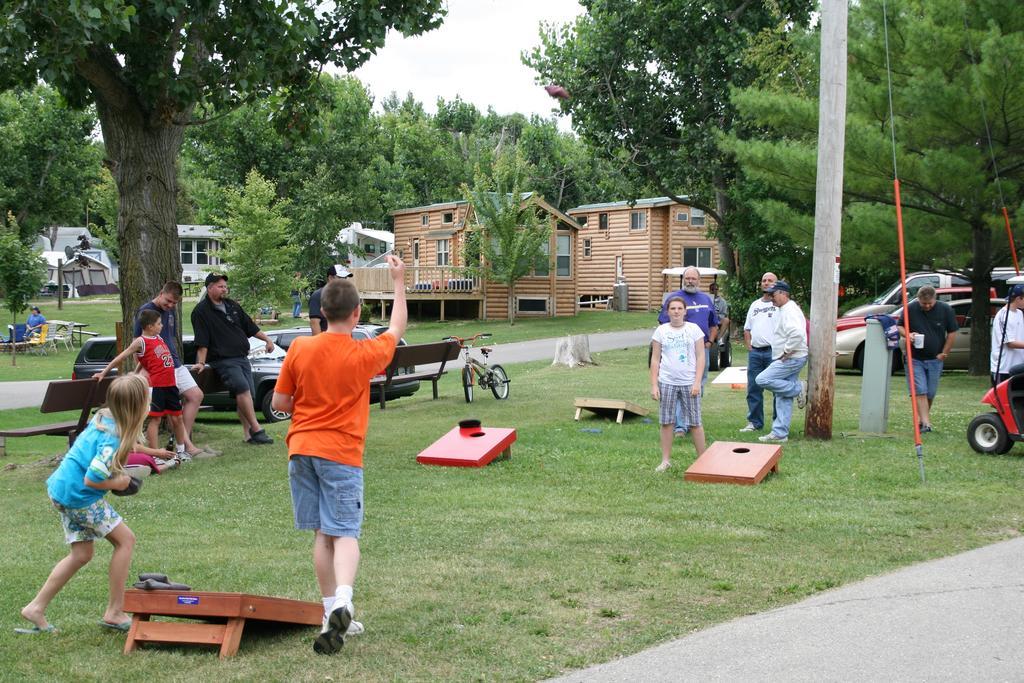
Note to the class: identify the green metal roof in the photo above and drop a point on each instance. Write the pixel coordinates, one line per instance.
(649, 201)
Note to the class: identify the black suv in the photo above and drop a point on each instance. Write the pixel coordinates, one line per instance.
(98, 351)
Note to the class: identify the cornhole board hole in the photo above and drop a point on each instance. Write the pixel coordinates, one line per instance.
(727, 462)
(607, 407)
(234, 609)
(469, 448)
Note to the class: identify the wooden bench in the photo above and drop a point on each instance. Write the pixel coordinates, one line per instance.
(416, 354)
(62, 395)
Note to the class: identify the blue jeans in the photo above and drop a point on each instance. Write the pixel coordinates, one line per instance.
(680, 422)
(296, 306)
(782, 378)
(757, 361)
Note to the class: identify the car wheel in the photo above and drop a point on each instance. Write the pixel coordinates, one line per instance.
(858, 359)
(269, 413)
(986, 434)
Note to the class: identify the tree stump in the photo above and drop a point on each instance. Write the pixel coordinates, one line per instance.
(573, 351)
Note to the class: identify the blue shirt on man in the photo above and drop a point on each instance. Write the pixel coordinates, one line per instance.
(700, 310)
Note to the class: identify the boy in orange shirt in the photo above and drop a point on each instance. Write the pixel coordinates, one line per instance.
(325, 385)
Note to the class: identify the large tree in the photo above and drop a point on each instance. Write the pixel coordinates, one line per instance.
(153, 68)
(951, 73)
(649, 85)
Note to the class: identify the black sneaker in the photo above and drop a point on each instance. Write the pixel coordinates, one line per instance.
(259, 438)
(332, 638)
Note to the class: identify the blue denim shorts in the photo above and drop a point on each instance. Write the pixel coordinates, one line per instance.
(326, 496)
(926, 377)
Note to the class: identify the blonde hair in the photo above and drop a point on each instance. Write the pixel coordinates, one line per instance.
(128, 406)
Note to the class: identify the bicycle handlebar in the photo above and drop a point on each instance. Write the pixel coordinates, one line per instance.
(462, 340)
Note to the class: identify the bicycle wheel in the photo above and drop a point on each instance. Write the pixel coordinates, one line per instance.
(467, 383)
(499, 382)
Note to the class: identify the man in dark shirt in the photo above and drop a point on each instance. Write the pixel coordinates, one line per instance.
(222, 330)
(318, 322)
(166, 304)
(935, 322)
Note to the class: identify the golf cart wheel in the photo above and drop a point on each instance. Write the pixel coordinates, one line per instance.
(986, 434)
(712, 357)
(725, 355)
(467, 383)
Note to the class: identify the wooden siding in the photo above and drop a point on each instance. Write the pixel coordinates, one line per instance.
(645, 253)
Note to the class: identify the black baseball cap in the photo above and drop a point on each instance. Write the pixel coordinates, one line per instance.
(780, 286)
(214, 277)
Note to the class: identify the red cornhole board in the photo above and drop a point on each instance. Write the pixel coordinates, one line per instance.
(458, 449)
(236, 608)
(727, 462)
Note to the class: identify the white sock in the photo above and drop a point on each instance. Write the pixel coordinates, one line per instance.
(180, 448)
(328, 601)
(344, 593)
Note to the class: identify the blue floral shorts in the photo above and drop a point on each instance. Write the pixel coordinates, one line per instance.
(87, 524)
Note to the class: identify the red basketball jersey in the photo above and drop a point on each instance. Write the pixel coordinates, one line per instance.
(158, 361)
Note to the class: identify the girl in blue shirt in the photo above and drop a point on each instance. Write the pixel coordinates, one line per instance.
(93, 466)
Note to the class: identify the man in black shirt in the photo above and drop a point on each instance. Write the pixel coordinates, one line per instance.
(222, 330)
(317, 322)
(932, 333)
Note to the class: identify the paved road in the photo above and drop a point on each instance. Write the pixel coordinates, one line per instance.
(960, 618)
(29, 394)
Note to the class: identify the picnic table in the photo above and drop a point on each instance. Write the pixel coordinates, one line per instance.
(76, 331)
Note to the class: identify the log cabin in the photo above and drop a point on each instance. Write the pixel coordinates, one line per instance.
(633, 242)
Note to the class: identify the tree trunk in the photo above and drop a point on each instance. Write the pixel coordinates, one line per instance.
(142, 158)
(724, 237)
(511, 303)
(981, 282)
(573, 351)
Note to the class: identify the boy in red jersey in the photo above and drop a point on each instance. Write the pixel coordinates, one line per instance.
(153, 355)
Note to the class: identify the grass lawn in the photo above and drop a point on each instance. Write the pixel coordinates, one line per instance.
(571, 553)
(101, 313)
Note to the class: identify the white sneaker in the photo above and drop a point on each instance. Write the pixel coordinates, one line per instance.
(183, 457)
(801, 398)
(750, 428)
(335, 626)
(771, 438)
(663, 466)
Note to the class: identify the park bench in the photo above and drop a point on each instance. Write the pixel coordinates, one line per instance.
(62, 395)
(416, 354)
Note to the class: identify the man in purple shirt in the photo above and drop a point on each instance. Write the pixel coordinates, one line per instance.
(700, 309)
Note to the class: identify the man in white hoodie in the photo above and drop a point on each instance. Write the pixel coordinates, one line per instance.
(789, 355)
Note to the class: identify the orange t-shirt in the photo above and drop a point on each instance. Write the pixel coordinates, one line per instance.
(328, 377)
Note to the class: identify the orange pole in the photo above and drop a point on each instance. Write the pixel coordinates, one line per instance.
(906, 314)
(1009, 237)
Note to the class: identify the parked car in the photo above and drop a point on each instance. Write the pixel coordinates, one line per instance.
(266, 367)
(941, 280)
(850, 340)
(947, 294)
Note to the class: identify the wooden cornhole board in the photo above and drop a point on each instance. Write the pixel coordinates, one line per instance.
(236, 608)
(606, 407)
(459, 448)
(727, 462)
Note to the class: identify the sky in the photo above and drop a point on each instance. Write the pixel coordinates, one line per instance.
(475, 54)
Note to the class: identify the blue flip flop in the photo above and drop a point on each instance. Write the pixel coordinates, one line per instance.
(35, 630)
(123, 627)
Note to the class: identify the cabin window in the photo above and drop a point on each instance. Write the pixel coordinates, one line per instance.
(637, 220)
(383, 247)
(447, 217)
(535, 305)
(542, 266)
(563, 255)
(582, 221)
(696, 217)
(443, 253)
(586, 248)
(371, 248)
(602, 221)
(697, 256)
(195, 252)
(416, 251)
(681, 217)
(425, 219)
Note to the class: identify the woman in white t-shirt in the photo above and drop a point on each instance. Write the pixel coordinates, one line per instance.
(677, 367)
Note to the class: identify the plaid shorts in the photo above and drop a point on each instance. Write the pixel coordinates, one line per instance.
(671, 395)
(87, 524)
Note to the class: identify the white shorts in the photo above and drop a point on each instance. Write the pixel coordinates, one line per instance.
(184, 379)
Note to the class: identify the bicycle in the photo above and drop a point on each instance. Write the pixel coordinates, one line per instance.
(491, 377)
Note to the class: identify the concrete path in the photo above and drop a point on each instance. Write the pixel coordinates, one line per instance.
(30, 394)
(960, 618)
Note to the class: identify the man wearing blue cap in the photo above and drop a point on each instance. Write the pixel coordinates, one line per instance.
(1008, 336)
(932, 333)
(789, 355)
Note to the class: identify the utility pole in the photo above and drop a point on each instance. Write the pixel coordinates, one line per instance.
(828, 207)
